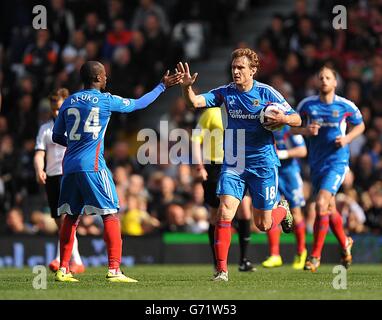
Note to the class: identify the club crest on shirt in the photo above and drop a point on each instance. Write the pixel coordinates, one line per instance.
(256, 102)
(335, 113)
(126, 102)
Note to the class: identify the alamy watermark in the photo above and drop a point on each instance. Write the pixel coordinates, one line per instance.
(174, 146)
(40, 21)
(340, 281)
(340, 20)
(40, 281)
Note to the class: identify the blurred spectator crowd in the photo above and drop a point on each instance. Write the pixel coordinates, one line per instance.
(293, 48)
(137, 41)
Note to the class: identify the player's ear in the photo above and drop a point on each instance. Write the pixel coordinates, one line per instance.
(254, 70)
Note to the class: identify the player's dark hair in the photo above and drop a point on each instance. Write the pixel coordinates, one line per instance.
(89, 72)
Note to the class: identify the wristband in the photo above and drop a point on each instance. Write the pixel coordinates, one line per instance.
(162, 86)
(283, 154)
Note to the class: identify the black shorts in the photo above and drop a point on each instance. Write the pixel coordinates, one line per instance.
(209, 186)
(52, 187)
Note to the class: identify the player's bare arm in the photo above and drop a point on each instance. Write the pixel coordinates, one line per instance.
(38, 162)
(308, 131)
(296, 152)
(342, 141)
(278, 117)
(173, 79)
(192, 100)
(200, 171)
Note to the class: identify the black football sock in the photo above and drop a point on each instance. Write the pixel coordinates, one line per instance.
(211, 238)
(244, 230)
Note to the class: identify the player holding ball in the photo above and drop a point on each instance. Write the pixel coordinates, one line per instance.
(243, 101)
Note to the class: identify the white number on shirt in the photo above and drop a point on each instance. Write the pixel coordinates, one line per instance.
(338, 179)
(73, 135)
(270, 193)
(91, 124)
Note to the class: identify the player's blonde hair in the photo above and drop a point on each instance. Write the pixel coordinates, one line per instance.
(61, 93)
(56, 95)
(334, 72)
(251, 56)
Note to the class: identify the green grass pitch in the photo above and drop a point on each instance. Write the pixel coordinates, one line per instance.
(189, 282)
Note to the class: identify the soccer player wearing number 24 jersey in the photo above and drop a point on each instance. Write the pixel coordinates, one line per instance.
(325, 117)
(243, 100)
(87, 185)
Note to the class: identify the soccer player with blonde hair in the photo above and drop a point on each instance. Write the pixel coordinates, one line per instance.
(325, 117)
(208, 153)
(256, 167)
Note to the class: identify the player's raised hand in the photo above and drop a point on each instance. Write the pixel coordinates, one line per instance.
(187, 79)
(173, 79)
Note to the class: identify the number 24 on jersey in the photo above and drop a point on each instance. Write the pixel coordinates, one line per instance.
(91, 124)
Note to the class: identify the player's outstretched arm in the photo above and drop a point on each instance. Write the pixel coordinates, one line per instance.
(144, 101)
(170, 80)
(192, 100)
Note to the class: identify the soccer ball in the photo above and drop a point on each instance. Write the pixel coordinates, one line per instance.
(267, 111)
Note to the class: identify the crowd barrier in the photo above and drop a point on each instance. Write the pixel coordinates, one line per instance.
(173, 248)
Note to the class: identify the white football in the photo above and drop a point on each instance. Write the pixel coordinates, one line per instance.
(267, 111)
